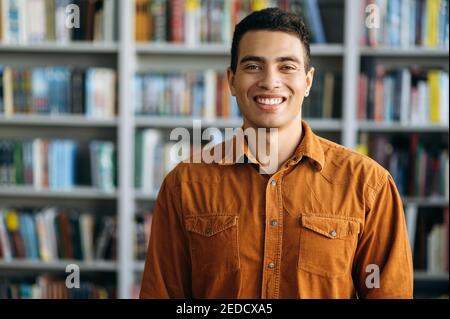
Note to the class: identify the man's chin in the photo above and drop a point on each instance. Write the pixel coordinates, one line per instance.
(268, 123)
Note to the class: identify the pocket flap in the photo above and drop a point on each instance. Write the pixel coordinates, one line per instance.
(330, 227)
(209, 225)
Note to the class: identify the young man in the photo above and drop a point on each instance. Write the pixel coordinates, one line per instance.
(326, 223)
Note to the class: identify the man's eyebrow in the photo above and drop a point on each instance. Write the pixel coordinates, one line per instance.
(288, 58)
(255, 58)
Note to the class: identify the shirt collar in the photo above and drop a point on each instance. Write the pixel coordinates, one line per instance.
(309, 146)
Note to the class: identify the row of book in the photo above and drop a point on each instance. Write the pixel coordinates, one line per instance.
(325, 98)
(405, 23)
(53, 163)
(155, 156)
(47, 286)
(195, 93)
(58, 90)
(208, 21)
(103, 158)
(37, 21)
(419, 168)
(406, 95)
(207, 94)
(51, 234)
(142, 227)
(428, 234)
(153, 159)
(55, 233)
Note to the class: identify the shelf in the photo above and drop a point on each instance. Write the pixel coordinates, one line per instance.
(426, 276)
(372, 126)
(182, 49)
(70, 47)
(405, 52)
(174, 121)
(221, 49)
(429, 202)
(139, 266)
(325, 125)
(140, 195)
(56, 120)
(75, 193)
(59, 265)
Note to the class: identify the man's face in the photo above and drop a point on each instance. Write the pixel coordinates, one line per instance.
(270, 79)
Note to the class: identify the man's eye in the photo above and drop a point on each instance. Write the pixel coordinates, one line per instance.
(288, 67)
(252, 67)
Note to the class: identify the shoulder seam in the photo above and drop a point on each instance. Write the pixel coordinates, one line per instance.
(375, 189)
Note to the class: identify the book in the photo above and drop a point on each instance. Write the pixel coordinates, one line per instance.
(39, 21)
(53, 163)
(194, 22)
(59, 90)
(417, 166)
(408, 95)
(102, 164)
(46, 286)
(191, 93)
(409, 23)
(56, 233)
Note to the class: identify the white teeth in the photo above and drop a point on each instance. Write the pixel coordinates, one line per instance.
(269, 101)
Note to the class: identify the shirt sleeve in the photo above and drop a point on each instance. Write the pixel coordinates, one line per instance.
(167, 266)
(383, 247)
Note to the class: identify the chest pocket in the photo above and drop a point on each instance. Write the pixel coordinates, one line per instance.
(327, 245)
(213, 241)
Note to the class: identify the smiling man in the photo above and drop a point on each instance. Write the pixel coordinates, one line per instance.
(326, 223)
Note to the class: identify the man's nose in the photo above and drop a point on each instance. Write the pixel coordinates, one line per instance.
(269, 79)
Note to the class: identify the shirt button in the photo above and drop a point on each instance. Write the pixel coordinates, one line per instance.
(274, 222)
(333, 233)
(271, 265)
(208, 231)
(273, 182)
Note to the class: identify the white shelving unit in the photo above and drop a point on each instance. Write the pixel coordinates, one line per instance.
(73, 47)
(426, 276)
(371, 126)
(60, 265)
(72, 193)
(57, 120)
(410, 52)
(132, 57)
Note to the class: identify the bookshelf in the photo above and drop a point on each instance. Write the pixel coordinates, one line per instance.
(74, 193)
(223, 50)
(57, 120)
(30, 265)
(405, 52)
(128, 58)
(80, 47)
(371, 126)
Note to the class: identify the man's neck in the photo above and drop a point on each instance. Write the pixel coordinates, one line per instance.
(286, 140)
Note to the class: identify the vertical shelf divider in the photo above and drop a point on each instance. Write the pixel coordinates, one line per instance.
(351, 69)
(126, 69)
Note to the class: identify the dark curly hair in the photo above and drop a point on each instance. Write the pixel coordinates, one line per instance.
(271, 19)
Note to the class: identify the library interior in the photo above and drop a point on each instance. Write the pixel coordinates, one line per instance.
(90, 91)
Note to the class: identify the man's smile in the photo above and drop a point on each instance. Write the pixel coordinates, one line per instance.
(270, 102)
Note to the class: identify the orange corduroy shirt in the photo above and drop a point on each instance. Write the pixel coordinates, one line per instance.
(328, 224)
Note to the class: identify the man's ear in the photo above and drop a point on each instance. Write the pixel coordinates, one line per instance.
(309, 79)
(230, 76)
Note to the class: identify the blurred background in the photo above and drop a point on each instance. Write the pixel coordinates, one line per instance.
(90, 90)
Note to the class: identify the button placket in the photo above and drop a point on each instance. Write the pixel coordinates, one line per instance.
(272, 239)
